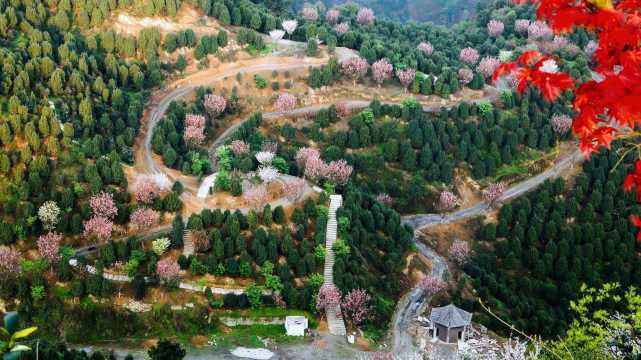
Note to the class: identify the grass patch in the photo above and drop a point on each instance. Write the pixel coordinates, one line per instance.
(268, 312)
(253, 51)
(253, 336)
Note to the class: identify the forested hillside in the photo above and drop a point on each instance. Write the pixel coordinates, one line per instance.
(439, 12)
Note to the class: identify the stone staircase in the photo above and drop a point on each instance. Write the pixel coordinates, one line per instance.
(334, 316)
(188, 243)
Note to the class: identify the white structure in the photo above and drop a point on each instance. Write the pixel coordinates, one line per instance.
(295, 325)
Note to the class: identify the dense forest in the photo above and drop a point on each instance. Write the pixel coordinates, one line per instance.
(531, 263)
(440, 12)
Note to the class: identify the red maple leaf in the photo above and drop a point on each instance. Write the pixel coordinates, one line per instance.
(636, 221)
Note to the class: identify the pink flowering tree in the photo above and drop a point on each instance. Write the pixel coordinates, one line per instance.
(355, 68)
(425, 47)
(459, 252)
(309, 13)
(406, 77)
(561, 124)
(285, 102)
(144, 218)
(168, 271)
(521, 26)
(256, 197)
(487, 65)
(432, 285)
(493, 192)
(194, 120)
(315, 169)
(49, 246)
(332, 15)
(465, 76)
(343, 110)
(356, 307)
(304, 154)
(98, 227)
(365, 16)
(328, 296)
(469, 55)
(146, 190)
(341, 28)
(239, 147)
(215, 104)
(382, 70)
(294, 188)
(9, 261)
(194, 135)
(495, 28)
(103, 205)
(447, 201)
(338, 172)
(539, 30)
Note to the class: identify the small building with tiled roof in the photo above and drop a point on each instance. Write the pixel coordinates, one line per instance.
(449, 323)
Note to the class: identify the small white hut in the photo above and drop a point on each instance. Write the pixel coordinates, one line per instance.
(295, 325)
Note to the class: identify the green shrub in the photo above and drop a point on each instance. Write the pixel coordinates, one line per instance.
(260, 81)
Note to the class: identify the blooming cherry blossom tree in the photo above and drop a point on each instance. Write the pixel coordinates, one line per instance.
(265, 157)
(406, 76)
(168, 270)
(338, 172)
(487, 65)
(432, 285)
(9, 261)
(465, 76)
(561, 123)
(49, 213)
(447, 201)
(144, 218)
(469, 55)
(332, 15)
(495, 28)
(354, 67)
(539, 30)
(239, 147)
(328, 296)
(49, 246)
(304, 154)
(267, 173)
(382, 70)
(285, 102)
(493, 192)
(309, 13)
(290, 26)
(103, 205)
(99, 227)
(356, 306)
(194, 135)
(521, 26)
(459, 251)
(215, 104)
(315, 168)
(194, 120)
(365, 16)
(276, 35)
(341, 28)
(146, 190)
(425, 47)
